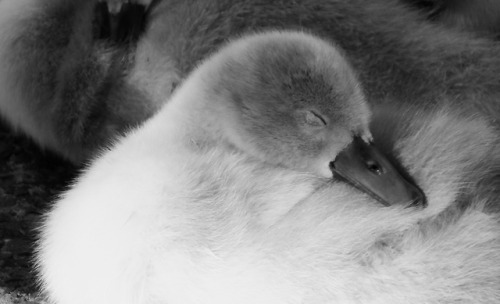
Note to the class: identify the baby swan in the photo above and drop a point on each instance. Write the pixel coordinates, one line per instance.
(183, 208)
(292, 100)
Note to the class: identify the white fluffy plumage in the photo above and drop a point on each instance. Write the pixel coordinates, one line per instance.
(152, 221)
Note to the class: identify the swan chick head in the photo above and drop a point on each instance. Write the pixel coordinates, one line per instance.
(288, 98)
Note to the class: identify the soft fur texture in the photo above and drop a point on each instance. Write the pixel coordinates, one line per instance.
(67, 90)
(480, 16)
(435, 93)
(169, 217)
(295, 103)
(74, 93)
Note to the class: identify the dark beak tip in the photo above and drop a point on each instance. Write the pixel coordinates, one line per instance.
(418, 200)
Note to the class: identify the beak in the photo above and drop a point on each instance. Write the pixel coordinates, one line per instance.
(366, 168)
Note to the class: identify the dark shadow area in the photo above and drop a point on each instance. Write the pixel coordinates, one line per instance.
(29, 180)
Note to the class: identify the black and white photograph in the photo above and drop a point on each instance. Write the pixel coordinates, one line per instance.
(249, 151)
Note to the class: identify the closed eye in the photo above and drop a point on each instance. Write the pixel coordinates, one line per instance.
(315, 119)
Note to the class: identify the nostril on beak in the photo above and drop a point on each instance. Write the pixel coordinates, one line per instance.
(374, 167)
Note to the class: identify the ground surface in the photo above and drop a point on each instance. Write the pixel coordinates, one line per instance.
(29, 180)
